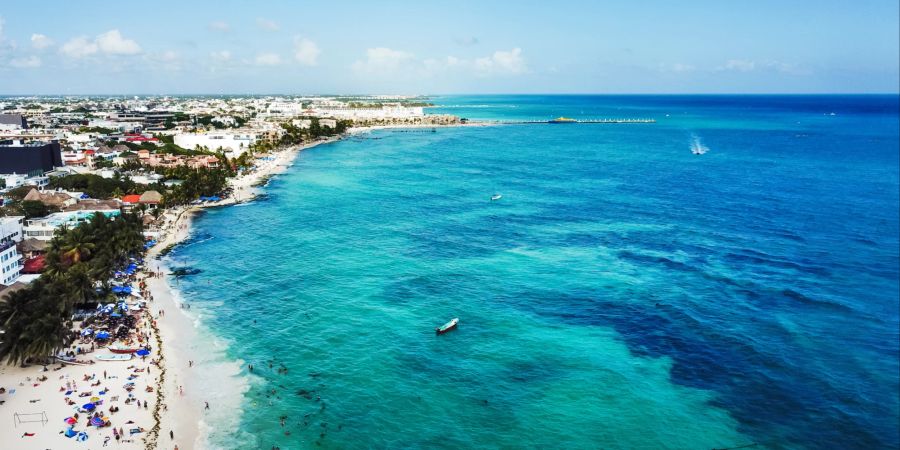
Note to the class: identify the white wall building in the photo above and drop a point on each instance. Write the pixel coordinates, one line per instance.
(42, 228)
(10, 259)
(233, 143)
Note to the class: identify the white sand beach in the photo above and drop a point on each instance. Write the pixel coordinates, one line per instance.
(181, 365)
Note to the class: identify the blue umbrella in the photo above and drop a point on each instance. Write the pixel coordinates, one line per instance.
(102, 335)
(117, 289)
(86, 331)
(89, 406)
(142, 352)
(115, 315)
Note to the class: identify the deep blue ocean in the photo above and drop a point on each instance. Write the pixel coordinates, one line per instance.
(623, 293)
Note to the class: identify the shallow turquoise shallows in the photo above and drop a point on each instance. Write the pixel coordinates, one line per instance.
(623, 293)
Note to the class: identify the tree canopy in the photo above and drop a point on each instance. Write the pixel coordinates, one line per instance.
(36, 320)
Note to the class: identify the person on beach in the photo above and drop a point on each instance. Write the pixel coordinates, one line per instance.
(207, 405)
(171, 435)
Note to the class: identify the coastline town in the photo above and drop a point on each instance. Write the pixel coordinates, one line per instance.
(94, 191)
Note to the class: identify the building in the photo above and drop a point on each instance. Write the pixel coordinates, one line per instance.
(43, 228)
(232, 143)
(150, 198)
(130, 202)
(52, 199)
(13, 122)
(10, 261)
(19, 157)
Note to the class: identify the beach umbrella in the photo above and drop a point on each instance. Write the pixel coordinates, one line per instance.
(87, 331)
(142, 352)
(71, 420)
(89, 406)
(97, 422)
(102, 335)
(95, 399)
(117, 289)
(115, 315)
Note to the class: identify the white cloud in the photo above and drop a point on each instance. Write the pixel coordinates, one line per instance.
(220, 56)
(112, 43)
(743, 65)
(268, 59)
(397, 62)
(79, 47)
(169, 56)
(109, 43)
(268, 25)
(40, 42)
(306, 52)
(220, 26)
(28, 62)
(676, 67)
(740, 65)
(502, 62)
(383, 60)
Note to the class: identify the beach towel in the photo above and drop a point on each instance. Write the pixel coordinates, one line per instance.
(28, 435)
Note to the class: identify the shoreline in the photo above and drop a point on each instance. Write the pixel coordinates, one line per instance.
(180, 333)
(183, 414)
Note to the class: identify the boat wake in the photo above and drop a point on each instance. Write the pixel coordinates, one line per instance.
(697, 146)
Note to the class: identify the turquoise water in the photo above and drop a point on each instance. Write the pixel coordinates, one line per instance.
(624, 293)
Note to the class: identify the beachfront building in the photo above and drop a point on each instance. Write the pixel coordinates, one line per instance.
(232, 143)
(10, 260)
(43, 228)
(385, 111)
(151, 199)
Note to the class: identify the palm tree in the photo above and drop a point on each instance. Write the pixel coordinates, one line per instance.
(77, 245)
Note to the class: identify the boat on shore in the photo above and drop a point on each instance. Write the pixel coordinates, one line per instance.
(449, 326)
(73, 361)
(114, 357)
(562, 120)
(119, 348)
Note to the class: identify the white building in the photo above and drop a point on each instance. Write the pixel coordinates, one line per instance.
(10, 259)
(232, 143)
(42, 228)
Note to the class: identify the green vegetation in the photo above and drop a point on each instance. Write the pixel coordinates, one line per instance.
(36, 320)
(197, 183)
(294, 135)
(34, 208)
(98, 130)
(95, 185)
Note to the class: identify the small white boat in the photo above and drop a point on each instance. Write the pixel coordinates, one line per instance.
(451, 325)
(114, 357)
(496, 197)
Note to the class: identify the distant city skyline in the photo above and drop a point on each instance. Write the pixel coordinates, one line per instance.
(408, 48)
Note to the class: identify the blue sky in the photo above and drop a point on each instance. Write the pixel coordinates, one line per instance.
(406, 47)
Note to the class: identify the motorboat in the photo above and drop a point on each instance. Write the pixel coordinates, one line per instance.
(496, 197)
(449, 326)
(119, 348)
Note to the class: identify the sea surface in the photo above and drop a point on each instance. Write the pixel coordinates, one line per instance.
(623, 293)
